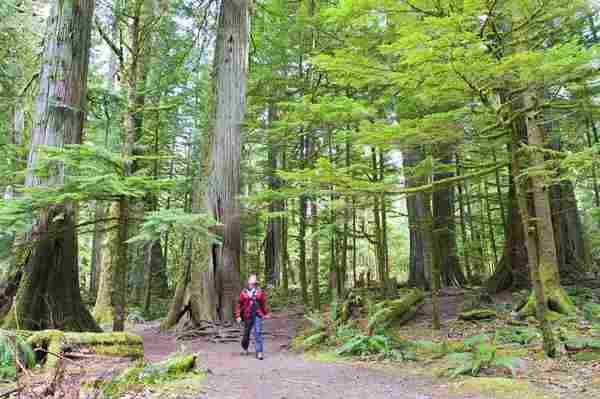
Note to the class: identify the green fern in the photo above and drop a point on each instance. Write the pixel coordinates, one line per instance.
(24, 352)
(314, 339)
(482, 356)
(519, 335)
(356, 346)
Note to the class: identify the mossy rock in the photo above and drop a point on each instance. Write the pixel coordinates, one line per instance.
(498, 388)
(478, 314)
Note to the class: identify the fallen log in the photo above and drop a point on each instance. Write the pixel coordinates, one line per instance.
(400, 310)
(119, 344)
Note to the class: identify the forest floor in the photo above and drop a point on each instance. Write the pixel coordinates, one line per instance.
(224, 373)
(285, 374)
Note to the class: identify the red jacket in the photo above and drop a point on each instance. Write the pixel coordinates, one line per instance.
(245, 304)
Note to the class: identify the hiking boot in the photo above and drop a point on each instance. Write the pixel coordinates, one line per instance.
(259, 356)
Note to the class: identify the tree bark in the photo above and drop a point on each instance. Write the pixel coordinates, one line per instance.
(316, 295)
(417, 274)
(49, 294)
(302, 205)
(97, 254)
(273, 257)
(547, 258)
(223, 180)
(463, 224)
(444, 227)
(103, 310)
(534, 229)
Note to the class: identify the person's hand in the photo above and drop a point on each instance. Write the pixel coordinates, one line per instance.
(239, 320)
(267, 316)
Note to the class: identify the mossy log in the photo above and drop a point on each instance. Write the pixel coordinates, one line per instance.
(477, 314)
(398, 311)
(172, 369)
(59, 343)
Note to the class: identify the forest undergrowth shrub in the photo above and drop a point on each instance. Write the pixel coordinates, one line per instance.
(10, 345)
(517, 335)
(482, 355)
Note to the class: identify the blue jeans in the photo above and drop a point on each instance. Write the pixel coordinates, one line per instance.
(249, 325)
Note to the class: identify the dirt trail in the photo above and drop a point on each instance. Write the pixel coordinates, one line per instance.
(286, 375)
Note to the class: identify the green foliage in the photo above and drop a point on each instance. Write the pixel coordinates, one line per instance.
(591, 311)
(362, 344)
(156, 224)
(517, 335)
(581, 295)
(483, 355)
(9, 344)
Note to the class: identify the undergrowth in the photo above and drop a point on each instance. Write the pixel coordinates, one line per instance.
(9, 345)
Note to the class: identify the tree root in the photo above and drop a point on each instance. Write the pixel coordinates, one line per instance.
(558, 303)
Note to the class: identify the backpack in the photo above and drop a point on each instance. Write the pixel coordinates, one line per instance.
(254, 307)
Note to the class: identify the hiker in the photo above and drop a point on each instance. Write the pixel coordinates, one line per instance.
(252, 309)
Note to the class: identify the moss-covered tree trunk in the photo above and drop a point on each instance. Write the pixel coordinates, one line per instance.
(97, 254)
(547, 267)
(103, 310)
(49, 295)
(533, 230)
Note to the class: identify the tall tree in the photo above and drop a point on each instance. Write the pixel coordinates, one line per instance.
(49, 293)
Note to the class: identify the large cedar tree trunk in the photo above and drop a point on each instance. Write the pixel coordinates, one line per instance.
(208, 287)
(49, 295)
(223, 183)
